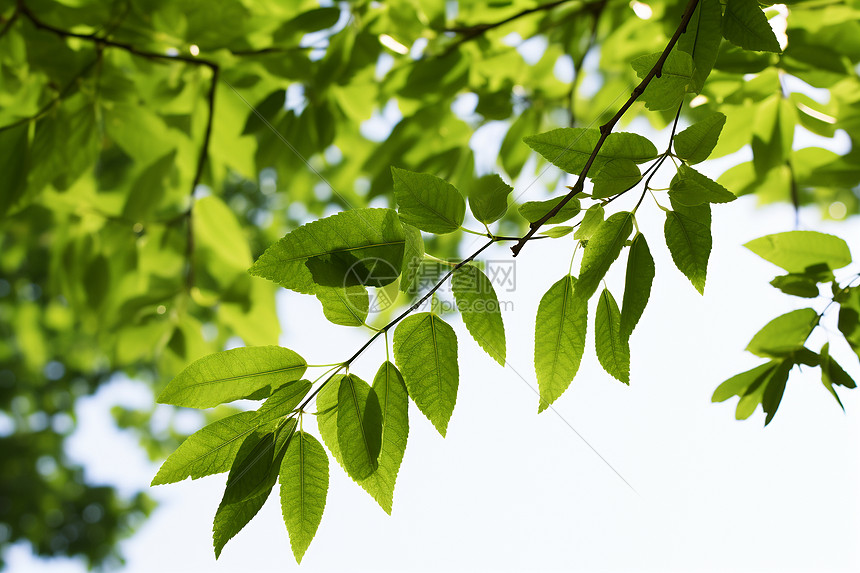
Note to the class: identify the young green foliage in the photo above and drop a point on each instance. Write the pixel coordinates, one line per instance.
(745, 25)
(346, 306)
(359, 427)
(784, 334)
(613, 350)
(696, 143)
(603, 248)
(479, 306)
(557, 232)
(488, 200)
(425, 351)
(560, 328)
(427, 202)
(849, 317)
(251, 479)
(833, 374)
(688, 236)
(668, 90)
(592, 219)
(615, 177)
(569, 148)
(282, 402)
(393, 400)
(533, 210)
(233, 375)
(702, 40)
(304, 484)
(797, 251)
(356, 247)
(412, 257)
(208, 451)
(691, 188)
(637, 284)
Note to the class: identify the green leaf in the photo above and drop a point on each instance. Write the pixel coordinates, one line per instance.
(390, 391)
(412, 257)
(832, 373)
(359, 427)
(797, 285)
(746, 26)
(356, 247)
(344, 306)
(784, 334)
(637, 284)
(613, 351)
(603, 248)
(592, 219)
(668, 90)
(774, 390)
(393, 400)
(702, 40)
(208, 451)
(570, 147)
(560, 329)
(479, 306)
(304, 485)
(688, 236)
(795, 251)
(533, 210)
(14, 157)
(488, 200)
(232, 375)
(251, 479)
(615, 177)
(427, 202)
(282, 402)
(691, 188)
(738, 384)
(557, 232)
(849, 318)
(425, 351)
(696, 143)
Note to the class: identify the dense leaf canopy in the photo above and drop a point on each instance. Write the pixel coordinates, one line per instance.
(153, 152)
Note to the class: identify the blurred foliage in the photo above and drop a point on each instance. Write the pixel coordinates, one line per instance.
(150, 150)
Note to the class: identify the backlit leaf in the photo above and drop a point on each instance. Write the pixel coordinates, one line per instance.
(425, 351)
(784, 334)
(613, 351)
(570, 147)
(480, 309)
(427, 202)
(795, 251)
(304, 486)
(603, 248)
(695, 143)
(691, 188)
(533, 210)
(232, 375)
(560, 329)
(488, 199)
(668, 90)
(637, 284)
(615, 177)
(688, 236)
(745, 25)
(359, 427)
(355, 247)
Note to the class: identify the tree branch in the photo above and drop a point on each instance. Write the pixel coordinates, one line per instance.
(469, 33)
(607, 128)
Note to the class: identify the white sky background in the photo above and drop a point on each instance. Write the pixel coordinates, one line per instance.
(509, 489)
